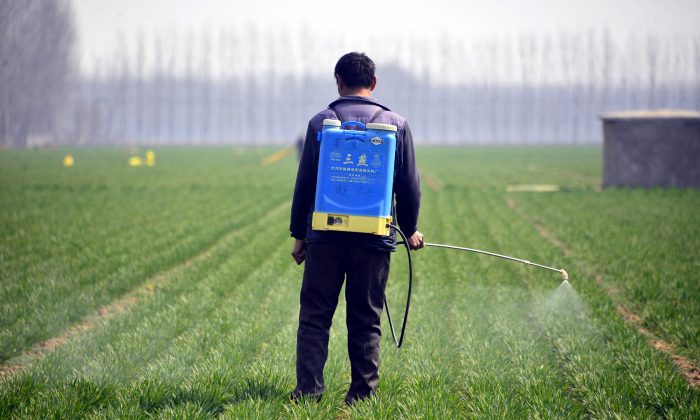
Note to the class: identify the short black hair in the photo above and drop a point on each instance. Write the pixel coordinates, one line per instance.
(355, 69)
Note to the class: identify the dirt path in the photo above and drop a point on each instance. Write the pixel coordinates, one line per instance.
(578, 177)
(687, 368)
(690, 372)
(277, 156)
(105, 312)
(429, 180)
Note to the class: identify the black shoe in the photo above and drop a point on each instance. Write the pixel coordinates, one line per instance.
(352, 399)
(297, 396)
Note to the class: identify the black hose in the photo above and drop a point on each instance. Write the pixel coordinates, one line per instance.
(408, 297)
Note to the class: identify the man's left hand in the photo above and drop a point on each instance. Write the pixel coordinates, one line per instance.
(299, 251)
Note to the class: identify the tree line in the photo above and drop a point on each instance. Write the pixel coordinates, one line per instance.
(259, 85)
(37, 40)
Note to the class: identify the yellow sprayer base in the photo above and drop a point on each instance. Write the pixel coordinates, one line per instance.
(351, 223)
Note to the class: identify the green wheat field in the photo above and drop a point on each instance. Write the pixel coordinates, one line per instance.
(169, 291)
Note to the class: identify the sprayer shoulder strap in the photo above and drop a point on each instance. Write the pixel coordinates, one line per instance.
(374, 117)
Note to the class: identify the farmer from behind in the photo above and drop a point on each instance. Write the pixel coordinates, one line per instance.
(359, 259)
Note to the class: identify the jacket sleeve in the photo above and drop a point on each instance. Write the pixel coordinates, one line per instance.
(305, 188)
(407, 185)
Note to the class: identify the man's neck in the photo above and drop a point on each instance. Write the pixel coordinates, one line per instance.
(356, 92)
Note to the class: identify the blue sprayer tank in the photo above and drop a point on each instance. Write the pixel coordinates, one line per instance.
(354, 187)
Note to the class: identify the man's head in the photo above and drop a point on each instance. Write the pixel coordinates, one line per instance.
(354, 74)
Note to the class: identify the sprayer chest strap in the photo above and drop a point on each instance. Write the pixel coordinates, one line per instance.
(374, 117)
(376, 114)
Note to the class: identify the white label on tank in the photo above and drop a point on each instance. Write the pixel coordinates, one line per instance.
(376, 141)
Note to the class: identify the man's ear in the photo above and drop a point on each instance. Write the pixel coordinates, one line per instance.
(373, 84)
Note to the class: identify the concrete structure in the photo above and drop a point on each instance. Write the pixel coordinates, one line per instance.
(651, 149)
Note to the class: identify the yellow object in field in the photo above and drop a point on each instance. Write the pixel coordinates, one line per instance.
(68, 161)
(135, 161)
(278, 155)
(150, 158)
(533, 188)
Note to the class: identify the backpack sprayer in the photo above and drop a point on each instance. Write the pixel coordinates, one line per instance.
(354, 192)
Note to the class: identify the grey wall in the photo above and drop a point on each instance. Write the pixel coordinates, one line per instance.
(651, 151)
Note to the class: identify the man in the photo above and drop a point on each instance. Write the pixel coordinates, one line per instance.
(299, 144)
(362, 260)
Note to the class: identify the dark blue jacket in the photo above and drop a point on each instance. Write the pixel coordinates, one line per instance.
(406, 180)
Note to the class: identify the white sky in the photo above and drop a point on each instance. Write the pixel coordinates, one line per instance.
(101, 21)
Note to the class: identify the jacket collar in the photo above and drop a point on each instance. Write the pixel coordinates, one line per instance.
(365, 99)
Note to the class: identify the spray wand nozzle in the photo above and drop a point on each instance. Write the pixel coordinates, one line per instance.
(564, 274)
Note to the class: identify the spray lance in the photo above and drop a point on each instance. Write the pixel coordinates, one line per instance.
(354, 191)
(564, 274)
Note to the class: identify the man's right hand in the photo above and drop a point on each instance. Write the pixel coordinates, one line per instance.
(416, 241)
(299, 251)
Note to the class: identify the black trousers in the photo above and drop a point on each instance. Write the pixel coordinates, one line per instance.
(366, 273)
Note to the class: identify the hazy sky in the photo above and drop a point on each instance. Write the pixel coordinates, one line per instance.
(100, 21)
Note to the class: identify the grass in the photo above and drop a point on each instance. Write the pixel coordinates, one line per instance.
(200, 243)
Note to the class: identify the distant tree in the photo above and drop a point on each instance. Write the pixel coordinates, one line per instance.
(171, 97)
(189, 105)
(652, 53)
(695, 83)
(124, 98)
(36, 61)
(607, 71)
(157, 97)
(139, 109)
(205, 79)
